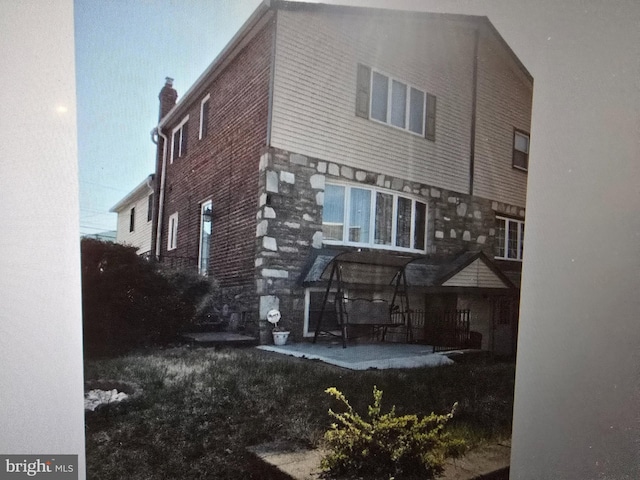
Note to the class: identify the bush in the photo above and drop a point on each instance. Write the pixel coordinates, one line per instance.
(129, 302)
(387, 445)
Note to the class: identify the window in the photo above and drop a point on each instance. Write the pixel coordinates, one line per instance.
(172, 239)
(354, 215)
(509, 238)
(520, 149)
(204, 117)
(132, 219)
(206, 214)
(150, 208)
(391, 101)
(179, 140)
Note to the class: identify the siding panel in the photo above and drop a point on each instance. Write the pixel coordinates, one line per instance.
(504, 102)
(315, 93)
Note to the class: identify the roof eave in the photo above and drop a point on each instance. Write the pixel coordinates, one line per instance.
(146, 184)
(224, 55)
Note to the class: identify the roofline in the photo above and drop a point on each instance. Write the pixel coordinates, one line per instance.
(272, 5)
(459, 17)
(147, 182)
(487, 261)
(225, 54)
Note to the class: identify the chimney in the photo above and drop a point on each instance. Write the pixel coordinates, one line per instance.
(167, 97)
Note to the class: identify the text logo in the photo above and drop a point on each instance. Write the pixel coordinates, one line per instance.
(49, 467)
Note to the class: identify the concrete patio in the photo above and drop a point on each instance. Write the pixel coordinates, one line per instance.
(365, 356)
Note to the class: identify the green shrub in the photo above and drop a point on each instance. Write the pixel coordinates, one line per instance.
(128, 302)
(387, 445)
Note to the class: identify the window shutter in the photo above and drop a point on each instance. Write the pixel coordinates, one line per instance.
(362, 91)
(430, 118)
(185, 136)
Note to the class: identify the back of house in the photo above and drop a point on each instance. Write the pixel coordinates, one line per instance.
(322, 128)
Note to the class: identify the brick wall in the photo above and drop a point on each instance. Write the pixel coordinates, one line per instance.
(223, 167)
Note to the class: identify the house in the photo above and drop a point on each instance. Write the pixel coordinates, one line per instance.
(135, 213)
(323, 127)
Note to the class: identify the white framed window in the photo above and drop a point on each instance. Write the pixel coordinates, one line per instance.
(204, 117)
(204, 251)
(179, 139)
(509, 238)
(520, 150)
(172, 238)
(374, 218)
(394, 102)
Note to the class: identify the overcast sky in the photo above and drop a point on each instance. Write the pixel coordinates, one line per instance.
(124, 51)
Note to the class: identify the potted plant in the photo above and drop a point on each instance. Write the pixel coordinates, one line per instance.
(280, 335)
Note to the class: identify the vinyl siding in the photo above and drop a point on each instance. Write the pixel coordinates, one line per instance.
(141, 235)
(503, 102)
(315, 90)
(475, 275)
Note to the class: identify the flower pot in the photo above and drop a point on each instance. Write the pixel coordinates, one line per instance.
(280, 338)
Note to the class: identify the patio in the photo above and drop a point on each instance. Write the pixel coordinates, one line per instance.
(365, 356)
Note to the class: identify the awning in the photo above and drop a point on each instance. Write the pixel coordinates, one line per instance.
(466, 270)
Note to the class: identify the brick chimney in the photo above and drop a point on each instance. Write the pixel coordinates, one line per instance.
(168, 97)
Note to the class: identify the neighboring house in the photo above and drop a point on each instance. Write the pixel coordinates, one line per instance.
(135, 214)
(330, 127)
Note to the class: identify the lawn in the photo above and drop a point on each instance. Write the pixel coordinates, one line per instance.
(200, 408)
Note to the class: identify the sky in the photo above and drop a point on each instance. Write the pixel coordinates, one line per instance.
(124, 51)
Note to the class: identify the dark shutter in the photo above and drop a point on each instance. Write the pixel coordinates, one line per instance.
(185, 136)
(362, 91)
(132, 219)
(150, 208)
(430, 118)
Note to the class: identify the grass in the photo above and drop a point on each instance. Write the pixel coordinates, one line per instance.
(201, 408)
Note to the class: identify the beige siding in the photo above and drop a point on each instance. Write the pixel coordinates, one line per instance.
(314, 92)
(475, 275)
(504, 102)
(141, 236)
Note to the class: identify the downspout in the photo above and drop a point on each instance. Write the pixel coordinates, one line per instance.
(158, 131)
(474, 100)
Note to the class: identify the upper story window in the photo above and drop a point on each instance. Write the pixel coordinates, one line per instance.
(520, 149)
(204, 117)
(373, 218)
(172, 238)
(509, 238)
(132, 219)
(179, 139)
(394, 102)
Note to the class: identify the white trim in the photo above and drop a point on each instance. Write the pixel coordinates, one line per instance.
(505, 246)
(203, 205)
(173, 138)
(172, 234)
(202, 102)
(370, 243)
(407, 111)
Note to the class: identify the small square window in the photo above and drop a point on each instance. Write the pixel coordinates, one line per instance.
(521, 150)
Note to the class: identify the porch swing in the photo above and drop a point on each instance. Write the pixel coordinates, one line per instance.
(364, 269)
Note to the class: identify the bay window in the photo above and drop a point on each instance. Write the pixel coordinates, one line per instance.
(360, 216)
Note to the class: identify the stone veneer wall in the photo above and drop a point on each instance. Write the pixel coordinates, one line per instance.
(289, 224)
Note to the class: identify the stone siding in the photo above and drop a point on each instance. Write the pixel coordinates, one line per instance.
(289, 223)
